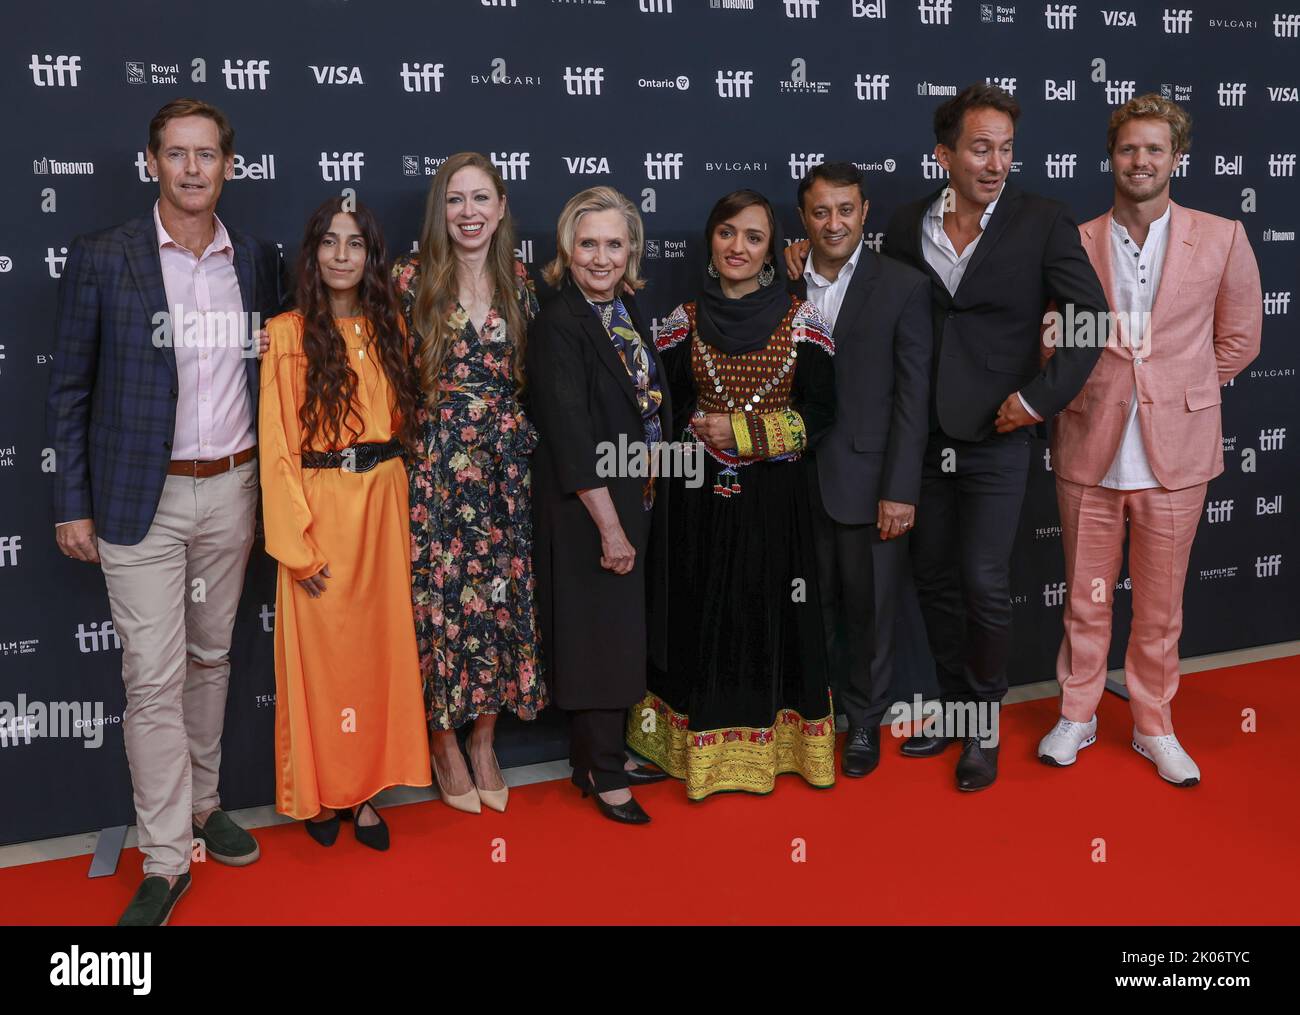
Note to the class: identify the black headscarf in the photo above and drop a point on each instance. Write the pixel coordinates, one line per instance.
(734, 327)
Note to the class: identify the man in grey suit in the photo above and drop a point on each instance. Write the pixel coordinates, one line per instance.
(868, 467)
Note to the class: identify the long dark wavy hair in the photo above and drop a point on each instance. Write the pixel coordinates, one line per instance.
(327, 408)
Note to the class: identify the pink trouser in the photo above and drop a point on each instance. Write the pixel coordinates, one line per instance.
(1161, 525)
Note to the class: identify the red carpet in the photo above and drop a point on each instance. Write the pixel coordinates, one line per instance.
(902, 846)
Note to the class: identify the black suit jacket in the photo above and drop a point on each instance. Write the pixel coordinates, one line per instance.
(987, 336)
(883, 338)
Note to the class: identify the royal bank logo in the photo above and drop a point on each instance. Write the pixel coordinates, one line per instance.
(1232, 93)
(734, 84)
(45, 166)
(1061, 166)
(798, 82)
(663, 165)
(934, 12)
(246, 75)
(1008, 85)
(1176, 92)
(668, 250)
(336, 74)
(1276, 303)
(1119, 19)
(511, 165)
(1218, 511)
(586, 165)
(421, 77)
(997, 14)
(871, 87)
(1060, 17)
(341, 167)
(1177, 22)
(140, 73)
(421, 165)
(1281, 164)
(583, 80)
(801, 162)
(1286, 26)
(1065, 92)
(801, 8)
(55, 71)
(874, 9)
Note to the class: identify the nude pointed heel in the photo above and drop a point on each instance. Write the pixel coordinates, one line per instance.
(467, 802)
(493, 798)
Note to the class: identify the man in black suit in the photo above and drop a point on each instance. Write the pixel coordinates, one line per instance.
(867, 469)
(996, 256)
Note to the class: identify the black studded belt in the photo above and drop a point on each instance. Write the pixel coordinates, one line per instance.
(357, 458)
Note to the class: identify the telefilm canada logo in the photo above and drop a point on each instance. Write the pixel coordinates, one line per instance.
(798, 83)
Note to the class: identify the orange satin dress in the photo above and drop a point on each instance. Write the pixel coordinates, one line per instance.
(349, 711)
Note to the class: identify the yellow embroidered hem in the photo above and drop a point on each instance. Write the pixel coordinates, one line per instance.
(735, 758)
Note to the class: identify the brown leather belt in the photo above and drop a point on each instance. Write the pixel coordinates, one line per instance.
(202, 470)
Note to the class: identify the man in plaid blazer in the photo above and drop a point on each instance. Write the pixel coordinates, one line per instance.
(152, 413)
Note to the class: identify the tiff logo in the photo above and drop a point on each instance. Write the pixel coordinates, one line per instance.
(421, 77)
(1264, 506)
(871, 87)
(935, 12)
(1268, 567)
(655, 6)
(1272, 440)
(1008, 85)
(55, 262)
(931, 170)
(1218, 511)
(1286, 26)
(801, 8)
(246, 75)
(1276, 303)
(735, 84)
(55, 71)
(1060, 17)
(9, 547)
(1232, 93)
(1281, 165)
(874, 240)
(583, 80)
(98, 637)
(1119, 92)
(663, 166)
(512, 165)
(1061, 167)
(801, 162)
(1054, 594)
(503, 3)
(1177, 22)
(335, 167)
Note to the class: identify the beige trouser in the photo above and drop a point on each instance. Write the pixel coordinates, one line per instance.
(173, 597)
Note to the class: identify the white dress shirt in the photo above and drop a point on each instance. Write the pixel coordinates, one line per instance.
(826, 296)
(1135, 277)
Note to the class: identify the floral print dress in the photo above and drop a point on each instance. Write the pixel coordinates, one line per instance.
(471, 524)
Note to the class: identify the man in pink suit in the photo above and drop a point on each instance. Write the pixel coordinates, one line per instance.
(1144, 436)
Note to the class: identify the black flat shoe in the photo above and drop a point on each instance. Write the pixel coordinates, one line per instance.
(978, 766)
(643, 774)
(374, 836)
(861, 751)
(925, 747)
(325, 832)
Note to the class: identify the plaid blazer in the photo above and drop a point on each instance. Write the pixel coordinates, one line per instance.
(111, 409)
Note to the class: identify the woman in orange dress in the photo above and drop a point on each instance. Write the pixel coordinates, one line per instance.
(337, 412)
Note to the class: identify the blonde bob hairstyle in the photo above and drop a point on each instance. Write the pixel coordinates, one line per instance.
(591, 200)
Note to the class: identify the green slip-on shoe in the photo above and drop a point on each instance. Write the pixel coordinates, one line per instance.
(153, 901)
(226, 842)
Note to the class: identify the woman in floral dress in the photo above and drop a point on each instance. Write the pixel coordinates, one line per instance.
(467, 303)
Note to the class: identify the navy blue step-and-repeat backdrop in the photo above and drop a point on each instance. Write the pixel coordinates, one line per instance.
(674, 102)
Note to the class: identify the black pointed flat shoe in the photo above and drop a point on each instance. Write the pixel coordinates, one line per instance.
(374, 836)
(325, 832)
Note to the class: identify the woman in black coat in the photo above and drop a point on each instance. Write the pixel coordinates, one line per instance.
(599, 397)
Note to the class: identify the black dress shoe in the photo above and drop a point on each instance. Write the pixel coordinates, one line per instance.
(861, 751)
(325, 832)
(643, 774)
(977, 768)
(925, 746)
(375, 836)
(629, 813)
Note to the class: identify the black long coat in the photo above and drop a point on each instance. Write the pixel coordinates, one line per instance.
(597, 627)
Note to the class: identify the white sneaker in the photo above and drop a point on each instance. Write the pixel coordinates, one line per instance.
(1066, 740)
(1172, 762)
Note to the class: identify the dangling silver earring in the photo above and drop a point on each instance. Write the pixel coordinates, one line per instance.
(766, 276)
(713, 269)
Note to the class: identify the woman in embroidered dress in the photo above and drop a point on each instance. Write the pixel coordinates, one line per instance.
(744, 697)
(467, 304)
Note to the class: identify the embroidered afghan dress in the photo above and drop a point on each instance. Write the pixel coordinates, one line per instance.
(471, 524)
(745, 696)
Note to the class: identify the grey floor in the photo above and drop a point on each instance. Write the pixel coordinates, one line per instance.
(262, 817)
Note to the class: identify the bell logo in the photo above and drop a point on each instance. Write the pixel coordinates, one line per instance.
(1061, 166)
(1232, 93)
(1054, 594)
(931, 169)
(421, 77)
(801, 8)
(874, 9)
(98, 637)
(55, 262)
(734, 84)
(1276, 303)
(801, 162)
(583, 80)
(663, 165)
(1281, 165)
(9, 547)
(871, 87)
(1059, 93)
(55, 71)
(1060, 17)
(1286, 26)
(1268, 567)
(246, 75)
(512, 165)
(934, 12)
(1217, 511)
(1224, 166)
(1264, 506)
(335, 167)
(1119, 92)
(1177, 22)
(1272, 440)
